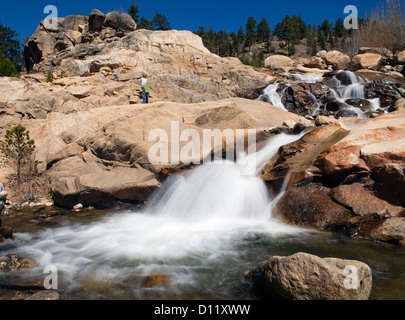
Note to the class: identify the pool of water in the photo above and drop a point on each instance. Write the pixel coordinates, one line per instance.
(141, 255)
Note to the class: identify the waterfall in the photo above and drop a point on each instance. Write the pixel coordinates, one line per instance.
(272, 96)
(200, 228)
(221, 191)
(347, 86)
(351, 86)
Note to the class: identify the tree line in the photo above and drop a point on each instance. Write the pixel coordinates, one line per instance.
(291, 31)
(159, 21)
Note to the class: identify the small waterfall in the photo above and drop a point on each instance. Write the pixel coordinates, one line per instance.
(194, 234)
(221, 191)
(346, 86)
(272, 96)
(351, 86)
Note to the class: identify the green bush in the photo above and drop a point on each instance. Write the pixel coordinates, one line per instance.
(7, 68)
(49, 77)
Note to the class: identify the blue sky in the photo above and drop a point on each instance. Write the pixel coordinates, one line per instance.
(229, 15)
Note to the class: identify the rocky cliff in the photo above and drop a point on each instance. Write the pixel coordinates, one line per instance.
(180, 68)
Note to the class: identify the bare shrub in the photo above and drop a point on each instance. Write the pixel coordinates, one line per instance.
(384, 27)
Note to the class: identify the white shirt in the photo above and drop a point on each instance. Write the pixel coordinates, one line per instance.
(144, 82)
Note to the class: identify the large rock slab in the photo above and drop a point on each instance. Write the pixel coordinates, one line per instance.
(307, 277)
(392, 230)
(101, 155)
(371, 61)
(279, 63)
(337, 60)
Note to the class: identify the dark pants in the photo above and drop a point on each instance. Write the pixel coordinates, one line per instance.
(145, 96)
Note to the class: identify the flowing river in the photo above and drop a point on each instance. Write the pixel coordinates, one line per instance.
(201, 232)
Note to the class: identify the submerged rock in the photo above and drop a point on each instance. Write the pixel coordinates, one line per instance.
(307, 277)
(44, 295)
(13, 262)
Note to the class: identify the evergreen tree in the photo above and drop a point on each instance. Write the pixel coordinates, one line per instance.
(291, 30)
(160, 22)
(339, 29)
(7, 68)
(133, 11)
(10, 46)
(241, 37)
(144, 23)
(251, 32)
(263, 31)
(322, 41)
(18, 145)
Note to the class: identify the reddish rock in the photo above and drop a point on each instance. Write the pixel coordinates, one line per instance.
(310, 206)
(392, 230)
(363, 202)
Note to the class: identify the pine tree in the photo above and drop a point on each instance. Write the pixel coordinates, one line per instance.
(339, 29)
(251, 32)
(160, 22)
(133, 11)
(10, 46)
(18, 145)
(263, 31)
(144, 23)
(7, 68)
(291, 30)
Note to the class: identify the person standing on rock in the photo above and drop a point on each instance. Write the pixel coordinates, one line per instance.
(3, 193)
(145, 89)
(115, 73)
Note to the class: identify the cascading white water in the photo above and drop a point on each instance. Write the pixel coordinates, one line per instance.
(222, 191)
(273, 96)
(196, 224)
(350, 86)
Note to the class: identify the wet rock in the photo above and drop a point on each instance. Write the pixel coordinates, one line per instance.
(363, 202)
(154, 280)
(362, 104)
(388, 96)
(5, 233)
(342, 113)
(389, 181)
(295, 158)
(13, 262)
(310, 205)
(392, 230)
(307, 277)
(340, 165)
(334, 106)
(44, 295)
